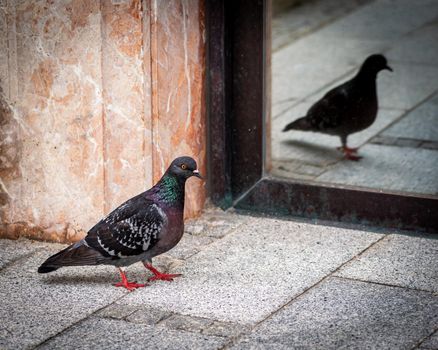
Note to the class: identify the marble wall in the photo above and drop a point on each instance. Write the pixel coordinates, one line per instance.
(97, 98)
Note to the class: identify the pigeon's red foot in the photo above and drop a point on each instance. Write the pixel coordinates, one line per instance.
(159, 275)
(128, 285)
(350, 153)
(351, 156)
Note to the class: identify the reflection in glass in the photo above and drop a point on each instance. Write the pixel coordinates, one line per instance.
(320, 45)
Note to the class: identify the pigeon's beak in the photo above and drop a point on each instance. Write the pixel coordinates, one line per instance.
(197, 174)
(388, 68)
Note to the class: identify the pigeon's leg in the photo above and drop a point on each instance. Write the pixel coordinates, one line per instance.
(128, 285)
(159, 275)
(349, 153)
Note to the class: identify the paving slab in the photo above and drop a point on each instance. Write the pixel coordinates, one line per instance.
(407, 86)
(390, 168)
(405, 261)
(102, 333)
(215, 223)
(419, 124)
(430, 343)
(13, 250)
(39, 306)
(345, 314)
(385, 20)
(316, 148)
(292, 23)
(248, 274)
(189, 245)
(417, 47)
(149, 316)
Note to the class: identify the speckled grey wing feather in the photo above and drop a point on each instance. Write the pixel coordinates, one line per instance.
(129, 230)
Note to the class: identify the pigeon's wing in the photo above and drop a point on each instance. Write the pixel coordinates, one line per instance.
(328, 112)
(129, 230)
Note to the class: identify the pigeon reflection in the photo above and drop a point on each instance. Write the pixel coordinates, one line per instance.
(346, 109)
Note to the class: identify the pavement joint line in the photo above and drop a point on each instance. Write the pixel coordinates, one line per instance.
(232, 230)
(407, 111)
(81, 320)
(424, 339)
(385, 284)
(233, 340)
(286, 109)
(322, 24)
(20, 258)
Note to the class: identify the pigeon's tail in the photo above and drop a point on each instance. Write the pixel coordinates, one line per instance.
(77, 254)
(299, 124)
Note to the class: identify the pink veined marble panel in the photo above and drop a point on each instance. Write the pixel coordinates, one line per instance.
(178, 91)
(126, 97)
(56, 191)
(96, 99)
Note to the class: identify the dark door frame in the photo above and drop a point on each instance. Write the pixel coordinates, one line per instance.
(236, 101)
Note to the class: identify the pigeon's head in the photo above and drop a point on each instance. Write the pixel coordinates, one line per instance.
(375, 63)
(184, 167)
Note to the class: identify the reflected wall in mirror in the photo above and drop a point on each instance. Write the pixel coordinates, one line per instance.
(318, 49)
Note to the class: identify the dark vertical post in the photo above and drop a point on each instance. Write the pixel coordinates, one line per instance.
(218, 99)
(247, 114)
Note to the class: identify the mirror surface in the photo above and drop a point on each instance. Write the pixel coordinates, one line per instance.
(318, 45)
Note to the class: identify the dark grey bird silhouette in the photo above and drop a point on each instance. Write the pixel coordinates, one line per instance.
(346, 109)
(143, 227)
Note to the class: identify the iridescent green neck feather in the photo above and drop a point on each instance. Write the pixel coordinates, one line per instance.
(171, 189)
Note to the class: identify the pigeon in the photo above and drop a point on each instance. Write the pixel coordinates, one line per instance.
(143, 227)
(347, 108)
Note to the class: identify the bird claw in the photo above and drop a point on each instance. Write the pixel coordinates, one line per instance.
(353, 157)
(130, 286)
(350, 153)
(164, 277)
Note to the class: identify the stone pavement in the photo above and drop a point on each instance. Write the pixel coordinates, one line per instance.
(248, 283)
(320, 44)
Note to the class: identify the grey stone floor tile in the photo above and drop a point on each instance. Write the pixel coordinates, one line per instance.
(430, 343)
(189, 245)
(186, 323)
(418, 47)
(344, 314)
(101, 333)
(419, 124)
(407, 86)
(283, 107)
(149, 316)
(13, 250)
(38, 306)
(316, 148)
(245, 276)
(390, 168)
(292, 23)
(405, 261)
(117, 311)
(215, 224)
(225, 329)
(385, 19)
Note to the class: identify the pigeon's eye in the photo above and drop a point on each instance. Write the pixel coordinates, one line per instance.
(183, 166)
